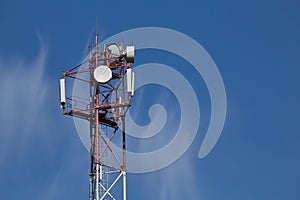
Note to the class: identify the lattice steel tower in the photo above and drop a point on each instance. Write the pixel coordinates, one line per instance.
(111, 87)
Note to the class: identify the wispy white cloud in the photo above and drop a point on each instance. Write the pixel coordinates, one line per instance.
(179, 181)
(23, 89)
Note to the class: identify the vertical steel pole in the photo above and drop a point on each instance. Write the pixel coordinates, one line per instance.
(97, 181)
(124, 137)
(124, 185)
(123, 122)
(97, 126)
(91, 195)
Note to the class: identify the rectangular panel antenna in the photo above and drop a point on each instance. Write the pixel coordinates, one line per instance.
(129, 81)
(62, 93)
(132, 83)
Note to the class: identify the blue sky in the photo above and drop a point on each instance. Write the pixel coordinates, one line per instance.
(255, 45)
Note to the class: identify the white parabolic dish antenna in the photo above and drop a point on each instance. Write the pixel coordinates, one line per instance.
(114, 51)
(102, 74)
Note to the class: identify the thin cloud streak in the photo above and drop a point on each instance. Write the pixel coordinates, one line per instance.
(24, 88)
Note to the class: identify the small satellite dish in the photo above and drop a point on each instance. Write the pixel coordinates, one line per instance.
(114, 52)
(102, 74)
(129, 54)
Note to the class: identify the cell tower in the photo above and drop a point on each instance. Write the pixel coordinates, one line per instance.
(111, 87)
